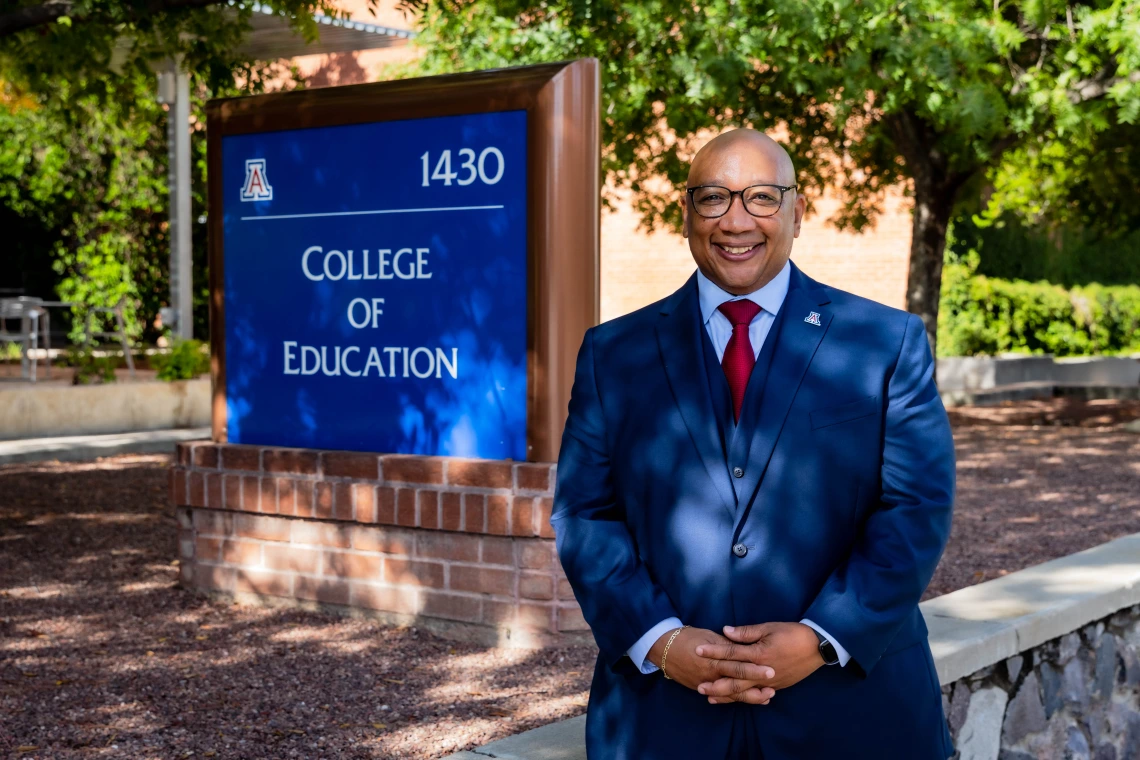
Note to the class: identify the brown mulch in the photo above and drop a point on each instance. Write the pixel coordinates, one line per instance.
(102, 655)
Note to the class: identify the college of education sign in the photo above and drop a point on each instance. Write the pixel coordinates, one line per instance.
(406, 266)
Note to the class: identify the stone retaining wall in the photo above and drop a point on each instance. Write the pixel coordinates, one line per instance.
(463, 547)
(1075, 698)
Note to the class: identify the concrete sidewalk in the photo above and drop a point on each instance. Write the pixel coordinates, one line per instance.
(77, 448)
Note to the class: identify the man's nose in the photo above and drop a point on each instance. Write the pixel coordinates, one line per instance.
(737, 219)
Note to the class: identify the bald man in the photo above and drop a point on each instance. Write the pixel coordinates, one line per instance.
(754, 487)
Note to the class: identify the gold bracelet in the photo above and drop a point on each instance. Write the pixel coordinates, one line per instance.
(665, 653)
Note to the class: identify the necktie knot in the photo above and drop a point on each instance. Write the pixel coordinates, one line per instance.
(740, 312)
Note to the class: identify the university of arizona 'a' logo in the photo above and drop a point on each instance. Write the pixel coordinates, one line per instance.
(256, 187)
(813, 319)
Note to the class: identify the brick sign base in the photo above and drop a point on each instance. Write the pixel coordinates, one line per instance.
(458, 546)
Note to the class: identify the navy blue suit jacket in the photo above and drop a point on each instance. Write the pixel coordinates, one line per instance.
(844, 505)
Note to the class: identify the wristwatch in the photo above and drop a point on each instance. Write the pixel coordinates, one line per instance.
(826, 650)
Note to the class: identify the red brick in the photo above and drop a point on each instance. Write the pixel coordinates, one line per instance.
(286, 496)
(386, 598)
(451, 510)
(292, 558)
(536, 586)
(497, 612)
(570, 619)
(498, 551)
(250, 493)
(532, 477)
(197, 490)
(236, 457)
(413, 572)
(484, 580)
(186, 574)
(498, 515)
(406, 507)
(545, 507)
(536, 555)
(428, 505)
(522, 517)
(411, 468)
(385, 540)
(214, 577)
(268, 495)
(474, 513)
(207, 549)
(205, 456)
(479, 473)
(244, 553)
(323, 500)
(303, 495)
(342, 501)
(264, 582)
(363, 567)
(232, 491)
(385, 505)
(325, 590)
(565, 590)
(452, 606)
(350, 464)
(212, 523)
(178, 481)
(290, 461)
(320, 534)
(364, 502)
(536, 616)
(214, 498)
(262, 526)
(455, 548)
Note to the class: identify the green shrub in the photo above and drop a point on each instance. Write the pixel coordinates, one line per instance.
(985, 315)
(89, 368)
(187, 359)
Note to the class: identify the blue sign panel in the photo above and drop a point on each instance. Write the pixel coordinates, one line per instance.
(375, 286)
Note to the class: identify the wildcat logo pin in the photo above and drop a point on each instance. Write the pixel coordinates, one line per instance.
(813, 319)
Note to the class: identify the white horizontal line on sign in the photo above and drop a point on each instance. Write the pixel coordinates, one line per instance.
(373, 211)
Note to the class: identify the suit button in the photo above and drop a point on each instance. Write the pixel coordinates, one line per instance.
(737, 472)
(739, 550)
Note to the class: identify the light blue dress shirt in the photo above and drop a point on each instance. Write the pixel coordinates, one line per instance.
(769, 298)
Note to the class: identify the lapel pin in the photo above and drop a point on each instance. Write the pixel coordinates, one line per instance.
(813, 319)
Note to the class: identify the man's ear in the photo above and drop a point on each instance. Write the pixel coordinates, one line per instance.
(798, 210)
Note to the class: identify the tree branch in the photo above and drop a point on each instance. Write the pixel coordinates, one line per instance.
(1098, 86)
(32, 16)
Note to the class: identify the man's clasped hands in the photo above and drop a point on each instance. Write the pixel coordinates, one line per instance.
(749, 663)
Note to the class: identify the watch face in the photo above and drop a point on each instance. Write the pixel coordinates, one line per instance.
(827, 651)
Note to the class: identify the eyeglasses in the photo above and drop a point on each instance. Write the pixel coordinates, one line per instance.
(713, 201)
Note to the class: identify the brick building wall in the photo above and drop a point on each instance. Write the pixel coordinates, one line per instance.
(462, 547)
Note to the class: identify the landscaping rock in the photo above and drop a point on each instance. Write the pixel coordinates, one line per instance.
(980, 737)
(1026, 713)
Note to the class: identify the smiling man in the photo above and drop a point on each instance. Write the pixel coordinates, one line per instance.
(754, 487)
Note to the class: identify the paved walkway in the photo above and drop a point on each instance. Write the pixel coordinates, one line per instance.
(76, 448)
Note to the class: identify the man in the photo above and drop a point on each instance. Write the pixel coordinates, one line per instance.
(754, 488)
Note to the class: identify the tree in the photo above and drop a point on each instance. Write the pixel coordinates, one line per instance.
(933, 94)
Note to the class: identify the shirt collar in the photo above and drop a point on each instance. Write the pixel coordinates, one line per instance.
(769, 298)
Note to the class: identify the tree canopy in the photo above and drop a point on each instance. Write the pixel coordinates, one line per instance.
(940, 96)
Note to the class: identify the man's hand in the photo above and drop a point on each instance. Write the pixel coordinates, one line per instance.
(688, 669)
(790, 649)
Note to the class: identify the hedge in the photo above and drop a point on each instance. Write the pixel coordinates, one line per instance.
(985, 315)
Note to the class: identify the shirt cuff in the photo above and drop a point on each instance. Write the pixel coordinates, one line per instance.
(640, 650)
(844, 657)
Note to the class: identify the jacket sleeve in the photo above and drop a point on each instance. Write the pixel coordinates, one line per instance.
(866, 600)
(619, 600)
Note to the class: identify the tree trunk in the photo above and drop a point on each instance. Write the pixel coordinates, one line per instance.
(932, 212)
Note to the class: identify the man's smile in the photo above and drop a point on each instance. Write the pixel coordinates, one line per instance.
(738, 252)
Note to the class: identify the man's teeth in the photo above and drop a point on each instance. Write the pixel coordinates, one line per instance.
(737, 250)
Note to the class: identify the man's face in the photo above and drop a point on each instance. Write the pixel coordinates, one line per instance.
(738, 251)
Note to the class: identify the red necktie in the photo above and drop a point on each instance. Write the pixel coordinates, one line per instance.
(738, 359)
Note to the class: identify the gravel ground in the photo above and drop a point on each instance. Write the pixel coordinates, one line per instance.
(102, 655)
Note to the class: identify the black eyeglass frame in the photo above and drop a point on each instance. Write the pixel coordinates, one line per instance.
(732, 197)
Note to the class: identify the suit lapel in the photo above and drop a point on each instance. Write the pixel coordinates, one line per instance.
(797, 341)
(679, 340)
